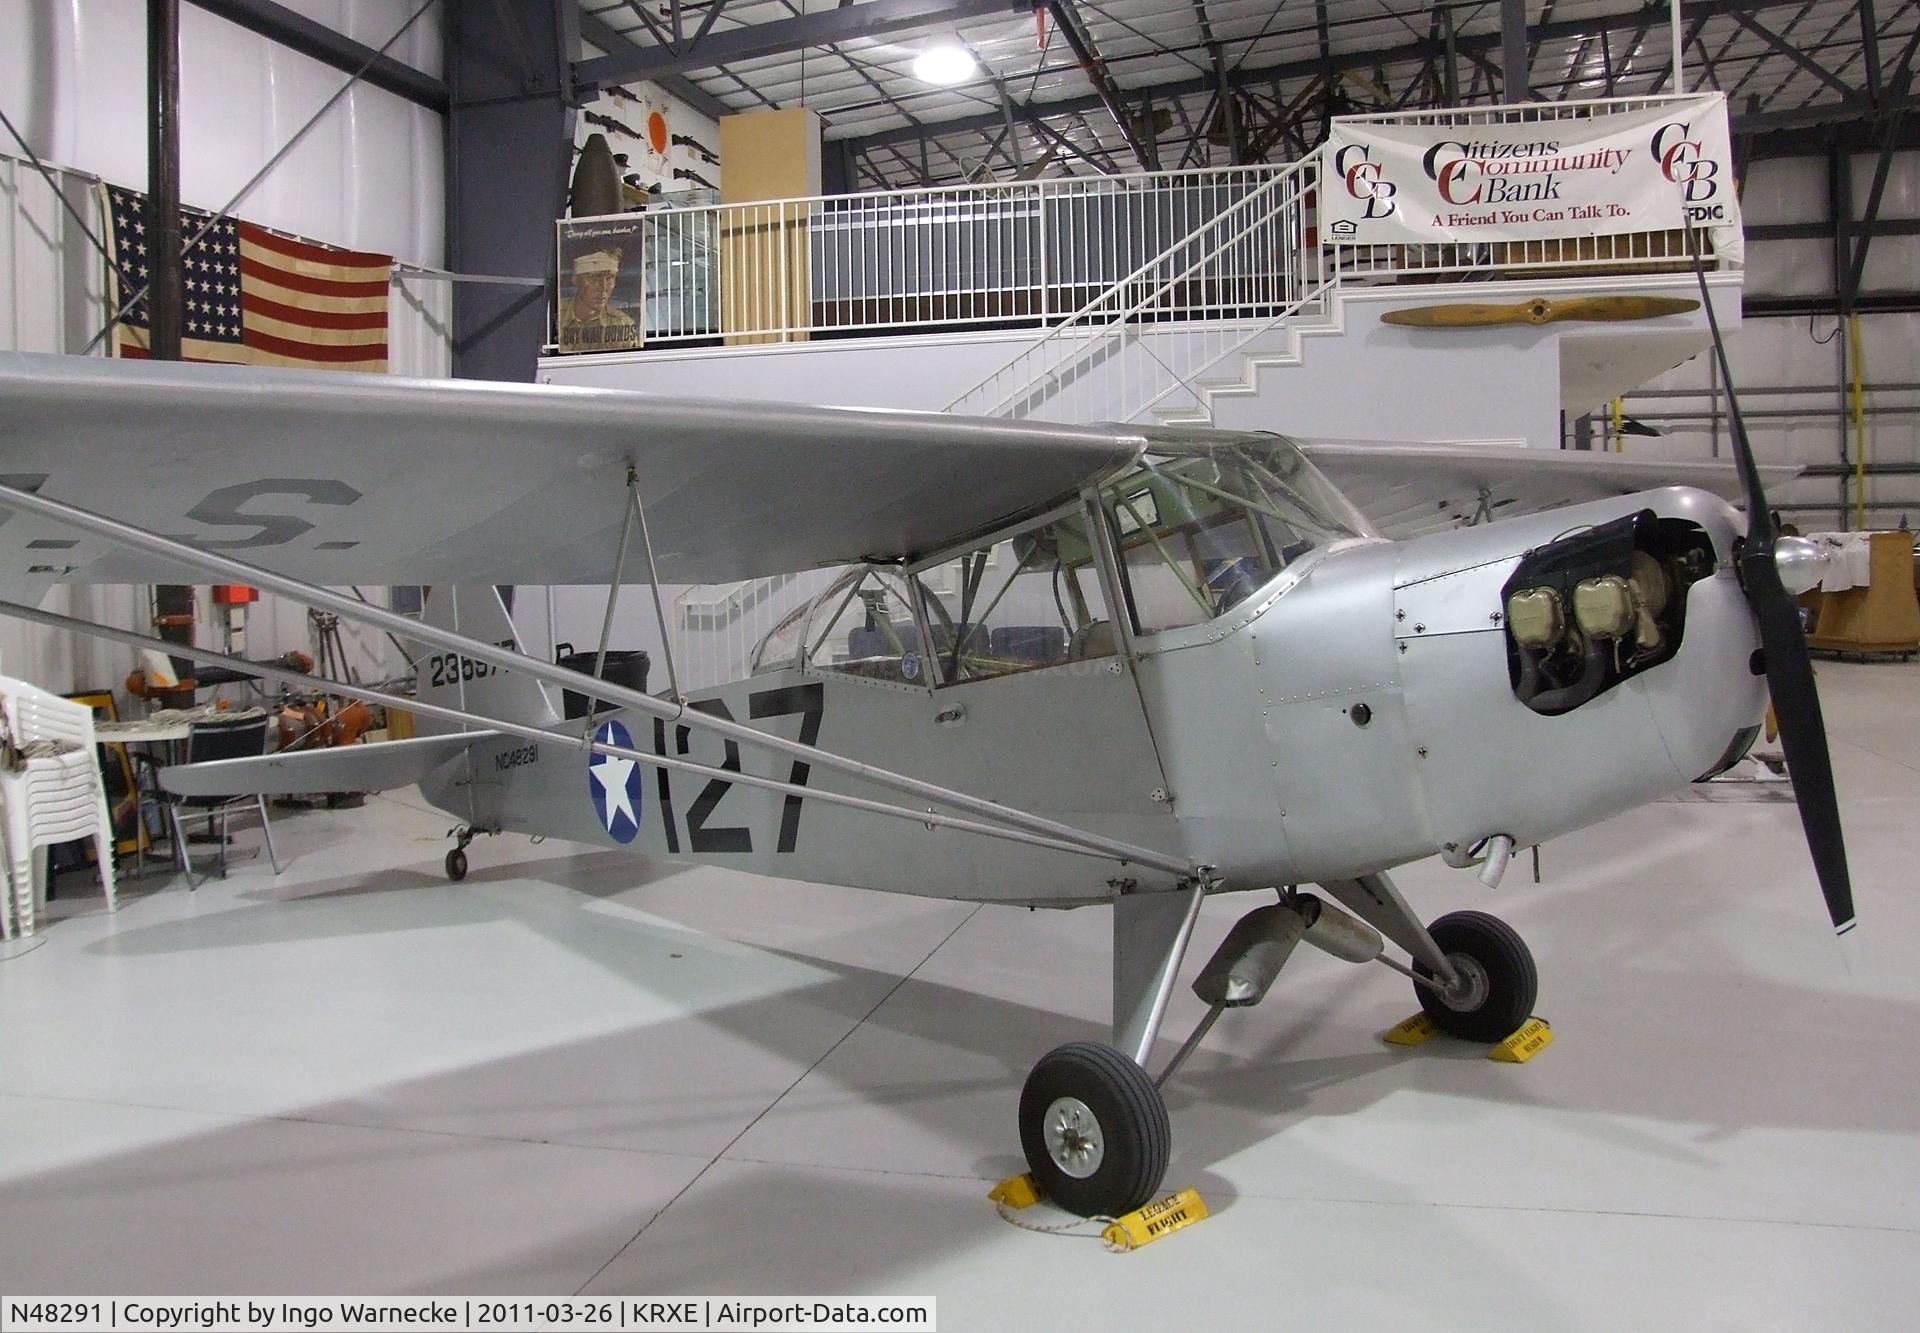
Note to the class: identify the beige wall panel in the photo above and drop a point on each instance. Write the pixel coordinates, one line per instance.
(765, 281)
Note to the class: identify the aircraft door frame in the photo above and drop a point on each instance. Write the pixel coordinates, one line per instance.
(1074, 508)
(1092, 516)
(1120, 608)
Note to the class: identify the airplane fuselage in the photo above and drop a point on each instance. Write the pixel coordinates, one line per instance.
(1359, 712)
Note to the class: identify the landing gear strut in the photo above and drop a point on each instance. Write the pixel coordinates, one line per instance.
(1092, 1121)
(457, 858)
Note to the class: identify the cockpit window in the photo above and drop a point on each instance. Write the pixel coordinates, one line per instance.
(1031, 599)
(861, 624)
(1202, 530)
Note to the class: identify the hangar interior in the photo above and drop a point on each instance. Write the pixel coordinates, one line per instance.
(575, 1071)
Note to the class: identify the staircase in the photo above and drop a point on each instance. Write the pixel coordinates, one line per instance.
(1238, 376)
(1252, 274)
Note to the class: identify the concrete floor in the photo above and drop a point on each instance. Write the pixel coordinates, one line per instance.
(590, 1073)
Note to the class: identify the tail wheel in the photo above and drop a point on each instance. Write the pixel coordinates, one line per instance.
(1496, 983)
(1094, 1130)
(456, 865)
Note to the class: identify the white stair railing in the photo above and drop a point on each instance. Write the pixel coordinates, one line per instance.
(1253, 267)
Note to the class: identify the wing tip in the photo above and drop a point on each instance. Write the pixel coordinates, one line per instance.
(1842, 927)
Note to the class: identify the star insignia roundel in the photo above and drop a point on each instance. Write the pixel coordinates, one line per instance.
(615, 782)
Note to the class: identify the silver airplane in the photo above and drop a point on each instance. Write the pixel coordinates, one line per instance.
(1060, 665)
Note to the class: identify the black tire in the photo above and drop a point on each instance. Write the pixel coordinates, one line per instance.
(1505, 988)
(456, 865)
(1135, 1139)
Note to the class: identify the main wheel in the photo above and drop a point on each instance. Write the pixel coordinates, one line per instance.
(1497, 982)
(1094, 1130)
(456, 865)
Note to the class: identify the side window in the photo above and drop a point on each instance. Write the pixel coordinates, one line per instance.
(1032, 599)
(863, 625)
(1168, 588)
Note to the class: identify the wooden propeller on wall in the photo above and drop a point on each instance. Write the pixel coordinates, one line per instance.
(1540, 310)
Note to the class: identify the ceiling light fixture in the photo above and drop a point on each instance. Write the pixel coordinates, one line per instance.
(944, 64)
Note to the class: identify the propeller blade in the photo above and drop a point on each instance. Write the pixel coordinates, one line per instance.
(1476, 314)
(1796, 700)
(1803, 731)
(1760, 530)
(1457, 315)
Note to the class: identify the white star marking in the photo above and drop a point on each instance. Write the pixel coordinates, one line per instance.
(611, 773)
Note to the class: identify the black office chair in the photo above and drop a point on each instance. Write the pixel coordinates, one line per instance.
(208, 741)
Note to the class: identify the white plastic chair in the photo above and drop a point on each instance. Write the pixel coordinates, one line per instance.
(54, 798)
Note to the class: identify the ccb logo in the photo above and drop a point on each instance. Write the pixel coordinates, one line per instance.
(1682, 162)
(1362, 178)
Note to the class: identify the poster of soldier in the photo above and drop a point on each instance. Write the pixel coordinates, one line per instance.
(601, 302)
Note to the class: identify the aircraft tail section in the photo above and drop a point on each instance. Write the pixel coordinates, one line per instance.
(456, 681)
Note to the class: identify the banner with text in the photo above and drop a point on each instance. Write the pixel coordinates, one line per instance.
(1646, 170)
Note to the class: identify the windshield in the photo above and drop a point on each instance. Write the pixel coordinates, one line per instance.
(1202, 529)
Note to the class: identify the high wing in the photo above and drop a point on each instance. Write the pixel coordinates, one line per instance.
(340, 478)
(1411, 489)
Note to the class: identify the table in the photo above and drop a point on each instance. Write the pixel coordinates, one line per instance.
(169, 727)
(144, 732)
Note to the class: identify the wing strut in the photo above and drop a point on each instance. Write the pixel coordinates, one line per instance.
(462, 717)
(307, 594)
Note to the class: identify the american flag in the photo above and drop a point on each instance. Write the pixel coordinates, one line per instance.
(253, 297)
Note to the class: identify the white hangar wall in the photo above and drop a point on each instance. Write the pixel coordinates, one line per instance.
(368, 176)
(1791, 370)
(1368, 382)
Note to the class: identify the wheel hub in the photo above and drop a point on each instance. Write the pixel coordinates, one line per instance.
(1470, 986)
(1073, 1137)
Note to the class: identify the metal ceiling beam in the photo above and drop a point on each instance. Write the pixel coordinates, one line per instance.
(1786, 48)
(1870, 46)
(1515, 50)
(610, 40)
(875, 18)
(1626, 55)
(299, 33)
(1824, 230)
(1673, 68)
(1533, 45)
(1901, 86)
(1475, 47)
(1823, 114)
(1080, 42)
(1762, 306)
(1229, 111)
(650, 23)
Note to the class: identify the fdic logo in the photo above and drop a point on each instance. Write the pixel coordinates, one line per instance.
(1361, 177)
